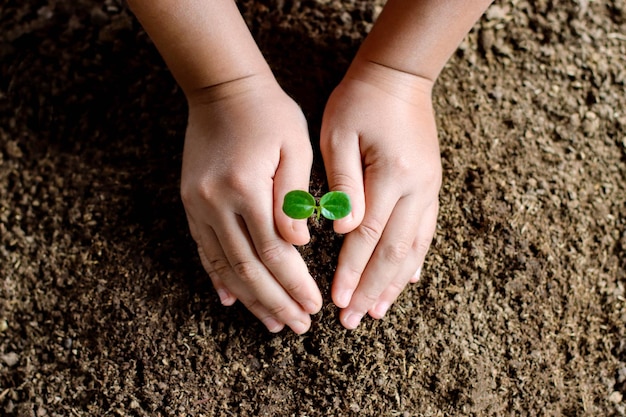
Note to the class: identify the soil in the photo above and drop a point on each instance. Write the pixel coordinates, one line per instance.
(105, 309)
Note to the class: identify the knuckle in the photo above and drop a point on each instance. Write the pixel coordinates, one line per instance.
(209, 191)
(341, 180)
(403, 166)
(433, 176)
(370, 231)
(430, 173)
(219, 266)
(243, 184)
(369, 298)
(272, 253)
(187, 193)
(193, 191)
(332, 139)
(396, 253)
(293, 286)
(397, 286)
(306, 154)
(247, 271)
(252, 304)
(422, 244)
(277, 310)
(238, 183)
(351, 273)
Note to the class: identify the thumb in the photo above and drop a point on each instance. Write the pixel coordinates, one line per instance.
(344, 171)
(293, 173)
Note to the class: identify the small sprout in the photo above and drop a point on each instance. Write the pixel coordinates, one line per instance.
(334, 205)
(300, 204)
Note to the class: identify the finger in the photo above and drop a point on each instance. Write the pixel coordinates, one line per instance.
(425, 236)
(416, 276)
(293, 173)
(221, 274)
(359, 245)
(395, 288)
(419, 248)
(226, 298)
(344, 171)
(283, 261)
(252, 283)
(389, 259)
(216, 264)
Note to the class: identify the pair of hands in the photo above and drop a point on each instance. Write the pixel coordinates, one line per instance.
(247, 145)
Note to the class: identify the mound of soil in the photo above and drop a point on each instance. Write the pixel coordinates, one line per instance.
(105, 308)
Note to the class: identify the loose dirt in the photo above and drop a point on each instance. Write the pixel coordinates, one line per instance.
(105, 309)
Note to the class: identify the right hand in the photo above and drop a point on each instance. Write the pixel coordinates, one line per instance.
(379, 143)
(246, 146)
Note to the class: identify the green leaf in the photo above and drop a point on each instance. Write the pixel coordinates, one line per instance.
(335, 205)
(299, 204)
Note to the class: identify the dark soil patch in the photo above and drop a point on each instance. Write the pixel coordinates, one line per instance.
(105, 309)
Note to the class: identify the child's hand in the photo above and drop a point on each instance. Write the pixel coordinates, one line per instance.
(379, 143)
(246, 146)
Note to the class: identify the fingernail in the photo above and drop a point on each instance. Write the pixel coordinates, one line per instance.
(352, 320)
(343, 298)
(310, 307)
(224, 295)
(299, 327)
(348, 218)
(340, 223)
(273, 325)
(416, 275)
(381, 308)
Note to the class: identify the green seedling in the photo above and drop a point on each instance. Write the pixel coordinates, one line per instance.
(299, 204)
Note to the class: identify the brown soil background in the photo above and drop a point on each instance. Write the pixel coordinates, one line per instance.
(105, 309)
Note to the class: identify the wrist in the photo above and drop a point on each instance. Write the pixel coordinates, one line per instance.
(412, 88)
(253, 82)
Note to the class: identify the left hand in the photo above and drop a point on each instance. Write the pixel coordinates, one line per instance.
(246, 146)
(379, 143)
